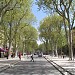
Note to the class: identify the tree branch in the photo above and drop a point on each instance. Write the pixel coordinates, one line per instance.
(5, 6)
(73, 20)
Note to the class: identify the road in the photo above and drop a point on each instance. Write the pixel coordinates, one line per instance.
(39, 67)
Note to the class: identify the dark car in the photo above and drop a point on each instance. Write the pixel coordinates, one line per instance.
(40, 55)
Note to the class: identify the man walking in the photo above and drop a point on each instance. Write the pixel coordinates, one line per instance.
(19, 54)
(32, 59)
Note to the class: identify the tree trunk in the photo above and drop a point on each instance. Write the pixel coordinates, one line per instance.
(53, 51)
(5, 38)
(10, 39)
(69, 39)
(70, 45)
(15, 45)
(56, 50)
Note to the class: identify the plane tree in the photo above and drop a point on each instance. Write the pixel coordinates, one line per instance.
(66, 9)
(19, 13)
(27, 38)
(51, 32)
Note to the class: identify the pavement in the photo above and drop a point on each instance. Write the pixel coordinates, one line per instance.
(40, 66)
(25, 67)
(59, 61)
(65, 63)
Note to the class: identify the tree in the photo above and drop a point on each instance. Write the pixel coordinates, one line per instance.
(51, 32)
(15, 14)
(27, 38)
(14, 18)
(64, 9)
(5, 6)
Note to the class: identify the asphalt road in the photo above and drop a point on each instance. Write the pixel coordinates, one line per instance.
(39, 67)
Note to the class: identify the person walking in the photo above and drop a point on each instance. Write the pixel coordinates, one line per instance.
(32, 59)
(19, 54)
(7, 53)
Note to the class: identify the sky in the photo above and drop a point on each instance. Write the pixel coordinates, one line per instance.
(39, 16)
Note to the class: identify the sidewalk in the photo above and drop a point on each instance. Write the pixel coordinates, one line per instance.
(27, 58)
(65, 63)
(60, 60)
(23, 58)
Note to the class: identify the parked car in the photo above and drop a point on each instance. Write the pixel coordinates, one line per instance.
(40, 55)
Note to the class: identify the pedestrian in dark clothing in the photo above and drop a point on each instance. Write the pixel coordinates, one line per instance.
(19, 54)
(62, 55)
(7, 52)
(32, 59)
(7, 55)
(12, 54)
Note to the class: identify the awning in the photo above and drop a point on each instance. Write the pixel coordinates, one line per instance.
(2, 50)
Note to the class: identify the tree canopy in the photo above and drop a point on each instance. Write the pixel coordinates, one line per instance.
(51, 32)
(16, 19)
(67, 11)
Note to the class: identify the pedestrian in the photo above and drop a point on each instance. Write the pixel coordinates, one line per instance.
(12, 54)
(62, 55)
(19, 54)
(32, 59)
(7, 53)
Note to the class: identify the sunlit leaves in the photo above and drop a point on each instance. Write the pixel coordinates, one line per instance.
(51, 29)
(17, 19)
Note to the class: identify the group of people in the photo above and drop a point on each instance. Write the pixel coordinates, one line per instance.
(12, 54)
(19, 55)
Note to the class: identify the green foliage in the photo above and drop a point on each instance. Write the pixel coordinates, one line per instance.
(27, 35)
(16, 21)
(66, 9)
(63, 8)
(51, 31)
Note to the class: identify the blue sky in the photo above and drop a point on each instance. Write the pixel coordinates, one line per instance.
(38, 14)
